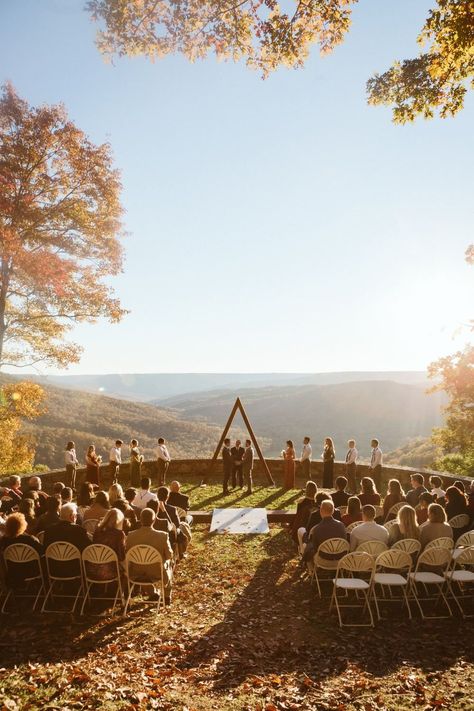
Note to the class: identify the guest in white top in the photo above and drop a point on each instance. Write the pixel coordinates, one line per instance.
(71, 463)
(306, 458)
(144, 495)
(163, 461)
(375, 466)
(435, 483)
(115, 460)
(351, 465)
(368, 530)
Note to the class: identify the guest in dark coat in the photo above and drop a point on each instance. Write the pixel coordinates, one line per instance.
(304, 508)
(315, 516)
(15, 532)
(176, 498)
(51, 517)
(327, 528)
(67, 530)
(340, 497)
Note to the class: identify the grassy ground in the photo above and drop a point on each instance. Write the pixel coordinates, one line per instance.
(245, 633)
(205, 498)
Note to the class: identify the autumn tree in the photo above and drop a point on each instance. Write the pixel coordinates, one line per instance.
(267, 36)
(59, 232)
(18, 401)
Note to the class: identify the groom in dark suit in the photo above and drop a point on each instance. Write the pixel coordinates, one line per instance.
(237, 453)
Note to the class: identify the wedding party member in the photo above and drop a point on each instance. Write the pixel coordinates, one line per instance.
(351, 465)
(289, 456)
(163, 460)
(115, 460)
(93, 466)
(237, 453)
(306, 454)
(376, 461)
(136, 460)
(329, 454)
(227, 465)
(71, 463)
(247, 465)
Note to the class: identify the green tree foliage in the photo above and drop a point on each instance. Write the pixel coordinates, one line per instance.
(59, 227)
(268, 34)
(437, 80)
(18, 402)
(455, 375)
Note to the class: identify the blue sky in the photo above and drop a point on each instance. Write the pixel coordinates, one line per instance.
(278, 225)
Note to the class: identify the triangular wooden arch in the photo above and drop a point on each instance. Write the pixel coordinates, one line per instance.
(238, 406)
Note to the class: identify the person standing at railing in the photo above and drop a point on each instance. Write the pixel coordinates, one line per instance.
(136, 460)
(351, 465)
(115, 460)
(71, 463)
(163, 461)
(328, 455)
(93, 461)
(375, 466)
(289, 456)
(306, 453)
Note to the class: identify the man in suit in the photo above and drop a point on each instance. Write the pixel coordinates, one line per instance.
(176, 498)
(327, 528)
(67, 530)
(351, 465)
(237, 453)
(375, 467)
(303, 510)
(168, 512)
(147, 535)
(247, 465)
(227, 464)
(306, 458)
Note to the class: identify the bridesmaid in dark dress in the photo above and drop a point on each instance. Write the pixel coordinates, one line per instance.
(289, 455)
(329, 455)
(93, 466)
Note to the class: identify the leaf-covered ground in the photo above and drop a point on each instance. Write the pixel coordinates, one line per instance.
(245, 632)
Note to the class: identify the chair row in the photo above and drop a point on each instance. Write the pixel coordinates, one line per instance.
(97, 565)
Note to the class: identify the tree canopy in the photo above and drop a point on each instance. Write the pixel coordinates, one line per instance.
(268, 34)
(59, 232)
(18, 401)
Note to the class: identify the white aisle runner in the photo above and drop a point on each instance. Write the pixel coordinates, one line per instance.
(247, 520)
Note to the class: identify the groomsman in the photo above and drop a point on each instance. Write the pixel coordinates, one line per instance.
(247, 465)
(351, 465)
(375, 467)
(115, 460)
(237, 453)
(227, 465)
(163, 461)
(306, 458)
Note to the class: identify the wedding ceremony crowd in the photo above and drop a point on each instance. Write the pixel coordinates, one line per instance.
(134, 537)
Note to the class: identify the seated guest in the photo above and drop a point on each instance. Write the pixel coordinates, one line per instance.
(109, 533)
(303, 509)
(146, 535)
(144, 495)
(167, 512)
(406, 526)
(369, 494)
(15, 532)
(470, 502)
(460, 485)
(395, 495)
(58, 486)
(98, 508)
(327, 528)
(34, 485)
(130, 495)
(67, 530)
(118, 501)
(51, 516)
(66, 495)
(85, 497)
(340, 497)
(418, 488)
(12, 495)
(436, 526)
(176, 498)
(455, 502)
(422, 509)
(26, 506)
(436, 489)
(368, 530)
(315, 517)
(354, 511)
(115, 493)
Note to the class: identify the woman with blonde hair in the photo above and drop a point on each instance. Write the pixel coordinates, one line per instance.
(329, 455)
(115, 494)
(405, 527)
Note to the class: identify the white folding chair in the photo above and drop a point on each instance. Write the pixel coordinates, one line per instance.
(373, 548)
(437, 559)
(40, 537)
(441, 542)
(388, 524)
(342, 510)
(458, 522)
(142, 556)
(90, 524)
(94, 557)
(385, 577)
(351, 526)
(181, 513)
(393, 510)
(461, 577)
(348, 581)
(336, 547)
(408, 545)
(378, 511)
(57, 555)
(15, 556)
(464, 541)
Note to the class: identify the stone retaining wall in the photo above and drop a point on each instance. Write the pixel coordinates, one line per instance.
(185, 469)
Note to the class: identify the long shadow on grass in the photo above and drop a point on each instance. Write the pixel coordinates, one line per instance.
(278, 626)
